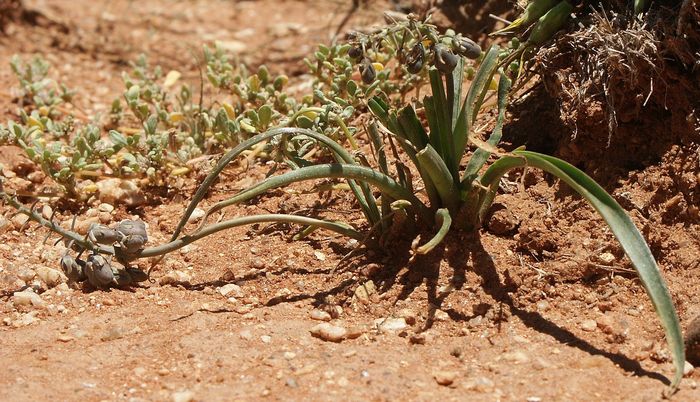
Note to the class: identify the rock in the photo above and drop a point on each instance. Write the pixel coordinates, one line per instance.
(606, 258)
(232, 46)
(441, 315)
(231, 290)
(183, 396)
(320, 315)
(588, 325)
(174, 278)
(117, 191)
(266, 339)
(197, 214)
(408, 315)
(329, 332)
(692, 342)
(50, 276)
(320, 256)
(480, 384)
(46, 212)
(26, 319)
(390, 324)
(65, 338)
(688, 369)
(4, 224)
(105, 207)
(26, 274)
(245, 335)
(515, 357)
(542, 305)
(444, 377)
(364, 291)
(27, 299)
(19, 220)
(418, 339)
(113, 332)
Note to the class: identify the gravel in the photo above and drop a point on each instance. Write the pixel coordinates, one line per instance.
(329, 332)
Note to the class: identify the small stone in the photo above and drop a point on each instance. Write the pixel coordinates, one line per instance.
(408, 315)
(606, 258)
(516, 357)
(445, 378)
(105, 207)
(588, 325)
(113, 332)
(480, 384)
(245, 335)
(441, 315)
(183, 396)
(355, 332)
(390, 324)
(26, 274)
(27, 299)
(320, 315)
(46, 212)
(329, 332)
(232, 46)
(18, 221)
(364, 291)
(65, 338)
(117, 191)
(140, 371)
(688, 369)
(50, 276)
(257, 263)
(289, 355)
(231, 290)
(542, 305)
(266, 339)
(418, 339)
(174, 278)
(196, 215)
(605, 323)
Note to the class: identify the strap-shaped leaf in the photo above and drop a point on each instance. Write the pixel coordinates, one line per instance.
(363, 194)
(442, 218)
(435, 167)
(383, 182)
(622, 227)
(478, 88)
(480, 156)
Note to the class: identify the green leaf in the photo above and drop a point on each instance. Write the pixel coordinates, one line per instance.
(480, 156)
(622, 227)
(440, 175)
(443, 218)
(478, 88)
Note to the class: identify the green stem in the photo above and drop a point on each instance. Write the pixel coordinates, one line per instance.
(443, 218)
(333, 170)
(340, 228)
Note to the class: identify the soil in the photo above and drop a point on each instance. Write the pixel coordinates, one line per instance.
(539, 305)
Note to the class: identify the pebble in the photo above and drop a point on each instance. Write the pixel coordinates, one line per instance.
(50, 276)
(233, 46)
(542, 305)
(19, 220)
(606, 258)
(441, 315)
(329, 332)
(117, 191)
(231, 290)
(245, 335)
(588, 325)
(320, 256)
(408, 315)
(197, 214)
(320, 315)
(26, 274)
(516, 357)
(364, 291)
(183, 396)
(46, 212)
(266, 339)
(445, 378)
(390, 324)
(105, 207)
(4, 224)
(65, 338)
(27, 299)
(175, 278)
(480, 384)
(688, 369)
